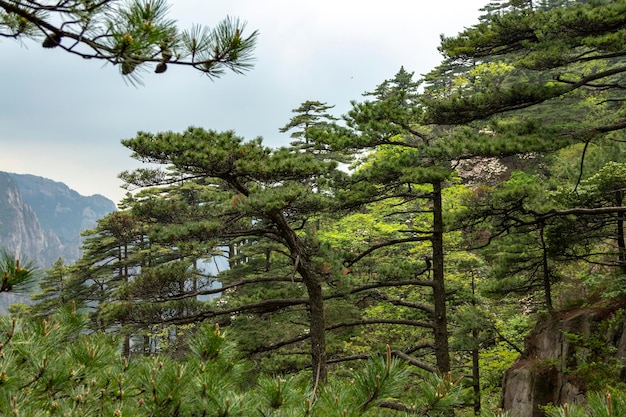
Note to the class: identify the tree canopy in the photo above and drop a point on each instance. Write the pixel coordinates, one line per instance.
(465, 196)
(554, 52)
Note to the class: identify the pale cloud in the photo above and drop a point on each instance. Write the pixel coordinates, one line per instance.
(63, 118)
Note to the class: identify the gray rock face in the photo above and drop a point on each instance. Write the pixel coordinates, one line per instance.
(41, 219)
(557, 354)
(20, 230)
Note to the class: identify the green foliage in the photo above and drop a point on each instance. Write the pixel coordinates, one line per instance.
(379, 385)
(580, 162)
(51, 286)
(17, 275)
(502, 219)
(610, 403)
(604, 188)
(494, 362)
(131, 34)
(531, 78)
(342, 263)
(440, 394)
(310, 116)
(264, 205)
(594, 360)
(52, 367)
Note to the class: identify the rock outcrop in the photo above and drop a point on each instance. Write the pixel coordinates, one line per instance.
(565, 356)
(20, 231)
(42, 220)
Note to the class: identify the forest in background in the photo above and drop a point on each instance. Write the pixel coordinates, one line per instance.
(389, 261)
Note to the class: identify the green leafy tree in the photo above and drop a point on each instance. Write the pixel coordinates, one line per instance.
(132, 35)
(388, 290)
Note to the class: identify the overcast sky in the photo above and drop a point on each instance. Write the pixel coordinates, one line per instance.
(62, 117)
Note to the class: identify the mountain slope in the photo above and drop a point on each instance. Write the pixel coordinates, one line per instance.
(20, 230)
(42, 219)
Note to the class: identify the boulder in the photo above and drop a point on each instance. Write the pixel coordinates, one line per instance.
(564, 356)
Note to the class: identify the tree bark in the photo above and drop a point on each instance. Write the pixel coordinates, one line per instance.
(313, 284)
(442, 351)
(475, 356)
(621, 243)
(476, 372)
(547, 286)
(317, 332)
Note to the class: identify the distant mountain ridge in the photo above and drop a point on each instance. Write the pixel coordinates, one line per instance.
(41, 219)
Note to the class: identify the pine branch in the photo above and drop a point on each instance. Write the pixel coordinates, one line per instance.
(373, 248)
(130, 35)
(225, 287)
(414, 361)
(382, 284)
(540, 217)
(398, 302)
(300, 338)
(260, 307)
(396, 406)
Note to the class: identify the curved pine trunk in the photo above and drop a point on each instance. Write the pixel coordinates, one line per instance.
(313, 285)
(317, 331)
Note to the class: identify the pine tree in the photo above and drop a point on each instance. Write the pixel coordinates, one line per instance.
(600, 199)
(52, 287)
(531, 80)
(54, 366)
(400, 161)
(245, 191)
(310, 114)
(132, 35)
(133, 284)
(575, 50)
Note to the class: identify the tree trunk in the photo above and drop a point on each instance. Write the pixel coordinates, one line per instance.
(621, 244)
(302, 264)
(475, 356)
(547, 286)
(317, 332)
(442, 351)
(126, 346)
(476, 372)
(231, 254)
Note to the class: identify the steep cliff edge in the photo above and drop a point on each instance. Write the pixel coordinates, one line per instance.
(42, 219)
(565, 356)
(19, 227)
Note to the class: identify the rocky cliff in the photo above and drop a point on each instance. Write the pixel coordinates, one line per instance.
(41, 219)
(19, 227)
(565, 356)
